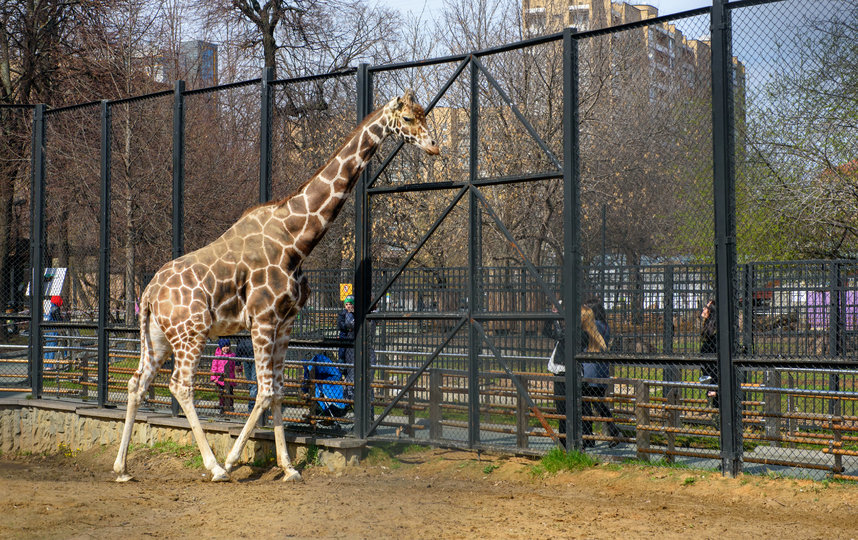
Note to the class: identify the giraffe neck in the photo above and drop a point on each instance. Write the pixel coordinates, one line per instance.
(315, 205)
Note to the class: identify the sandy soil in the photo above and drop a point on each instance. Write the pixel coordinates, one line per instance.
(416, 494)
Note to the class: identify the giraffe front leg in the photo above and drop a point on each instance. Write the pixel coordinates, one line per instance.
(262, 403)
(185, 396)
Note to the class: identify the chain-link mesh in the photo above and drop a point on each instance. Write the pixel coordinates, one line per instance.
(794, 105)
(14, 246)
(140, 212)
(69, 288)
(647, 229)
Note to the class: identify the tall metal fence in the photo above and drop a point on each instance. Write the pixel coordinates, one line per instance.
(653, 166)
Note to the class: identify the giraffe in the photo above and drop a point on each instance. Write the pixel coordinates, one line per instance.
(251, 278)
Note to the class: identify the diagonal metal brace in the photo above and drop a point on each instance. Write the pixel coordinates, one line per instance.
(522, 391)
(416, 375)
(527, 125)
(529, 265)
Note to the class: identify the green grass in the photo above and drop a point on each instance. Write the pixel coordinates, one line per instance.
(660, 463)
(557, 460)
(189, 454)
(388, 454)
(310, 459)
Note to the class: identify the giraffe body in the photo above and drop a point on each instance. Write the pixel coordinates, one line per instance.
(250, 278)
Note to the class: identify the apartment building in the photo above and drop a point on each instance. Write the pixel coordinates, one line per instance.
(674, 60)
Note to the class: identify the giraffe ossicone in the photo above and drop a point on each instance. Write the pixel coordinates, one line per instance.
(250, 278)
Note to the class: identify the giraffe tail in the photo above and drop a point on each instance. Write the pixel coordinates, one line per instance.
(145, 338)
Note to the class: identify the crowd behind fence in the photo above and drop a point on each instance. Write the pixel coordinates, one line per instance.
(658, 400)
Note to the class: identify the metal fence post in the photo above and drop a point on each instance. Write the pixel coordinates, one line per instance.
(37, 248)
(571, 271)
(104, 255)
(671, 371)
(723, 144)
(474, 262)
(178, 185)
(748, 311)
(435, 399)
(836, 327)
(835, 321)
(363, 270)
(265, 135)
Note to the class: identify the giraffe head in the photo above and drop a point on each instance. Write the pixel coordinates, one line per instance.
(408, 119)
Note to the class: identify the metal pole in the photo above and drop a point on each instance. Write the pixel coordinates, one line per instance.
(571, 238)
(37, 248)
(104, 254)
(265, 135)
(725, 232)
(836, 322)
(178, 185)
(604, 249)
(363, 270)
(474, 263)
(748, 311)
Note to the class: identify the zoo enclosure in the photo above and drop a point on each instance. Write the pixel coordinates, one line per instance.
(470, 369)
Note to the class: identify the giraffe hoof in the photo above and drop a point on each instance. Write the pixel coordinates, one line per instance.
(220, 475)
(291, 475)
(124, 478)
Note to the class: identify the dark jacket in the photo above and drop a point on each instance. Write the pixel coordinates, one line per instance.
(346, 324)
(554, 330)
(708, 335)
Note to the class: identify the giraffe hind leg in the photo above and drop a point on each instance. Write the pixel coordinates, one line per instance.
(153, 353)
(181, 385)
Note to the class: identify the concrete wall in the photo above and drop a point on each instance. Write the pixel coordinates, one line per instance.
(43, 426)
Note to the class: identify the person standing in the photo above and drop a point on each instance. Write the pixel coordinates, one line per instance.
(53, 315)
(223, 368)
(709, 345)
(553, 328)
(346, 355)
(596, 370)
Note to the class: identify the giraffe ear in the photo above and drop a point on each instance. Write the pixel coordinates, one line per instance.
(398, 103)
(409, 96)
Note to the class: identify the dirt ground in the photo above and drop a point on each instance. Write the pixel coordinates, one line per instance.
(414, 494)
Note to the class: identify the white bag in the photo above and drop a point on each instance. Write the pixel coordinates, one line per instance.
(556, 369)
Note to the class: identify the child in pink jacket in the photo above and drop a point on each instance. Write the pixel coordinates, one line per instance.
(223, 367)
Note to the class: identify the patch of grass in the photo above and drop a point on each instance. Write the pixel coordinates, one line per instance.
(265, 461)
(689, 480)
(559, 460)
(388, 453)
(412, 449)
(195, 462)
(384, 455)
(488, 469)
(660, 463)
(189, 454)
(170, 447)
(310, 458)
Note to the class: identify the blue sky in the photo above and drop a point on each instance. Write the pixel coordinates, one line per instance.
(665, 7)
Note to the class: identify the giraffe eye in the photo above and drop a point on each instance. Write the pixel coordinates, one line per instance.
(408, 119)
